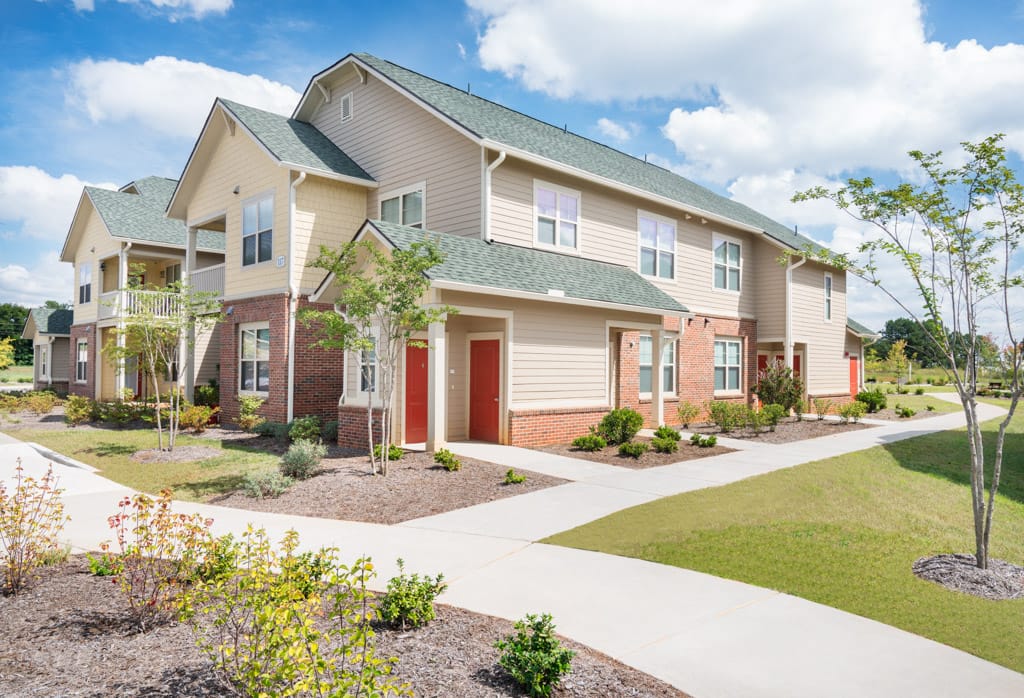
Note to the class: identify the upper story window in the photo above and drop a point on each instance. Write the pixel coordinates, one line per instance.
(85, 282)
(557, 216)
(828, 296)
(727, 264)
(404, 207)
(254, 358)
(668, 365)
(657, 246)
(728, 365)
(172, 275)
(346, 107)
(258, 231)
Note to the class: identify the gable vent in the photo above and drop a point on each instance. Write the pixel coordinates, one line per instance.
(346, 107)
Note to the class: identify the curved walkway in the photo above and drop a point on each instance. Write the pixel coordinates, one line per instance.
(708, 636)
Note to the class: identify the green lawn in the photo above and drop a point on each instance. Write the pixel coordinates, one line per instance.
(17, 374)
(844, 532)
(920, 403)
(111, 450)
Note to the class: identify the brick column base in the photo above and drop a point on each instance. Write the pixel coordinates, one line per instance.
(540, 427)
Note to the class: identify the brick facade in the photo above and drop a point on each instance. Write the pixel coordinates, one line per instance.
(88, 334)
(352, 427)
(539, 427)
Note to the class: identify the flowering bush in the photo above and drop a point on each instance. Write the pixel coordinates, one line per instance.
(31, 519)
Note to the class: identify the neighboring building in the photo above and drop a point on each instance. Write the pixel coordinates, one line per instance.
(50, 332)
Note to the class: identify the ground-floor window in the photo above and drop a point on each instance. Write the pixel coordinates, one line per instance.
(254, 358)
(668, 365)
(42, 362)
(728, 365)
(368, 371)
(82, 361)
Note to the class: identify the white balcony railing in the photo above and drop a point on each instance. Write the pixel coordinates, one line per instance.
(157, 303)
(208, 280)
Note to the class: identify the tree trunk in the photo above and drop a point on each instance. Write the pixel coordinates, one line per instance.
(977, 449)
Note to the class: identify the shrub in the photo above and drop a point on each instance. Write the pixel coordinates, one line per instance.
(757, 420)
(874, 400)
(329, 431)
(708, 441)
(918, 391)
(302, 459)
(799, 408)
(633, 449)
(274, 430)
(409, 599)
(41, 402)
(447, 460)
(620, 425)
(590, 442)
(773, 414)
(78, 409)
(728, 415)
(197, 417)
(822, 406)
(666, 432)
(31, 519)
(206, 395)
(248, 406)
(118, 413)
(159, 550)
(395, 452)
(695, 438)
(777, 385)
(104, 565)
(272, 484)
(904, 412)
(533, 656)
(852, 412)
(259, 629)
(930, 408)
(664, 445)
(219, 560)
(514, 478)
(304, 428)
(687, 413)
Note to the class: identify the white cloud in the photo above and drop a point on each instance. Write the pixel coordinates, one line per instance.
(829, 87)
(37, 204)
(174, 8)
(166, 95)
(47, 279)
(84, 5)
(615, 130)
(461, 49)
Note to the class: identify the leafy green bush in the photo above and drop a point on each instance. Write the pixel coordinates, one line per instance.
(778, 385)
(329, 431)
(904, 412)
(822, 406)
(274, 430)
(447, 460)
(727, 415)
(534, 657)
(620, 425)
(302, 459)
(930, 408)
(78, 409)
(409, 599)
(703, 441)
(799, 408)
(918, 391)
(31, 520)
(248, 406)
(118, 413)
(41, 402)
(589, 442)
(219, 559)
(272, 484)
(395, 452)
(852, 412)
(197, 417)
(687, 413)
(666, 432)
(514, 478)
(104, 565)
(633, 449)
(663, 445)
(206, 395)
(774, 414)
(304, 428)
(874, 400)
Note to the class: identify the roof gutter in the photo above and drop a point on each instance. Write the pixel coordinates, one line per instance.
(788, 353)
(293, 294)
(487, 193)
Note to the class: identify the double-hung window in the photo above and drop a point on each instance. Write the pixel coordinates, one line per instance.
(657, 246)
(42, 362)
(727, 264)
(172, 275)
(84, 282)
(828, 296)
(557, 216)
(258, 231)
(254, 358)
(404, 207)
(668, 365)
(728, 365)
(82, 362)
(368, 370)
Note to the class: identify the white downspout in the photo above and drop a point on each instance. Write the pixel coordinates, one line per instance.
(788, 350)
(487, 194)
(293, 294)
(49, 360)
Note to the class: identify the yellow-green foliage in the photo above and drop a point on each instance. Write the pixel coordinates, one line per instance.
(6, 353)
(78, 409)
(31, 519)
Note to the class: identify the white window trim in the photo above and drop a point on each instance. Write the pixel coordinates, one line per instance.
(420, 187)
(241, 327)
(667, 391)
(347, 97)
(558, 189)
(78, 353)
(639, 246)
(715, 240)
(828, 292)
(269, 194)
(727, 392)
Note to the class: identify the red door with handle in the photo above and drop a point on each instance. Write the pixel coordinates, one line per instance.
(854, 375)
(484, 389)
(415, 394)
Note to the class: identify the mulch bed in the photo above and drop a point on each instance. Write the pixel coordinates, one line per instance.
(610, 454)
(959, 572)
(67, 636)
(787, 431)
(180, 454)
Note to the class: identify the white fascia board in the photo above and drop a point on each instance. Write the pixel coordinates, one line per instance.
(327, 174)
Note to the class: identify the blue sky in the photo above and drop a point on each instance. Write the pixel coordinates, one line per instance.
(748, 98)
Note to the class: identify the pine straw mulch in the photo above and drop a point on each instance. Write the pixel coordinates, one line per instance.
(652, 459)
(788, 430)
(67, 635)
(960, 572)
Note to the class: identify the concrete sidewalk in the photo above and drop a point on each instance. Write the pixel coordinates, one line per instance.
(706, 635)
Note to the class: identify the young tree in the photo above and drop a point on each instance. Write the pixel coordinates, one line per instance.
(6, 353)
(956, 235)
(897, 361)
(157, 327)
(382, 295)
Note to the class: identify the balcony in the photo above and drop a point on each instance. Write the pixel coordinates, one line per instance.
(208, 280)
(157, 303)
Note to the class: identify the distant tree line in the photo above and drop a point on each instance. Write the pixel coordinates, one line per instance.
(12, 322)
(924, 352)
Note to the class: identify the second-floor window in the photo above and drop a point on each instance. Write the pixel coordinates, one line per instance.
(258, 231)
(404, 207)
(727, 264)
(828, 296)
(657, 246)
(85, 282)
(557, 216)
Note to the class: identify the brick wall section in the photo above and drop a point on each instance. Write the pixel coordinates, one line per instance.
(540, 427)
(87, 333)
(352, 432)
(319, 372)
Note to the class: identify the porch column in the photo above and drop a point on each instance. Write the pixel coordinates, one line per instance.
(187, 352)
(122, 303)
(437, 387)
(657, 378)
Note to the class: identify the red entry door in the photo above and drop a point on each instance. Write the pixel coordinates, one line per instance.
(781, 358)
(484, 389)
(854, 375)
(415, 394)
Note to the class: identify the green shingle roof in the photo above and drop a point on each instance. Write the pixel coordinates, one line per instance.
(296, 142)
(510, 267)
(53, 320)
(140, 217)
(858, 328)
(503, 125)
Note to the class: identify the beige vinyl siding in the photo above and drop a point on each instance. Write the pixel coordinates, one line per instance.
(236, 160)
(60, 353)
(107, 368)
(207, 354)
(827, 367)
(326, 213)
(854, 345)
(94, 236)
(769, 279)
(400, 144)
(608, 232)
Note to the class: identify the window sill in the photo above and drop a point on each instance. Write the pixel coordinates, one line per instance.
(256, 393)
(647, 397)
(728, 393)
(561, 249)
(655, 277)
(257, 264)
(726, 290)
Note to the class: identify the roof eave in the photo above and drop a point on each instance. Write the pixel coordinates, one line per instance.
(327, 174)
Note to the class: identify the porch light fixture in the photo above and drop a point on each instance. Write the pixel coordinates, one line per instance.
(236, 190)
(103, 266)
